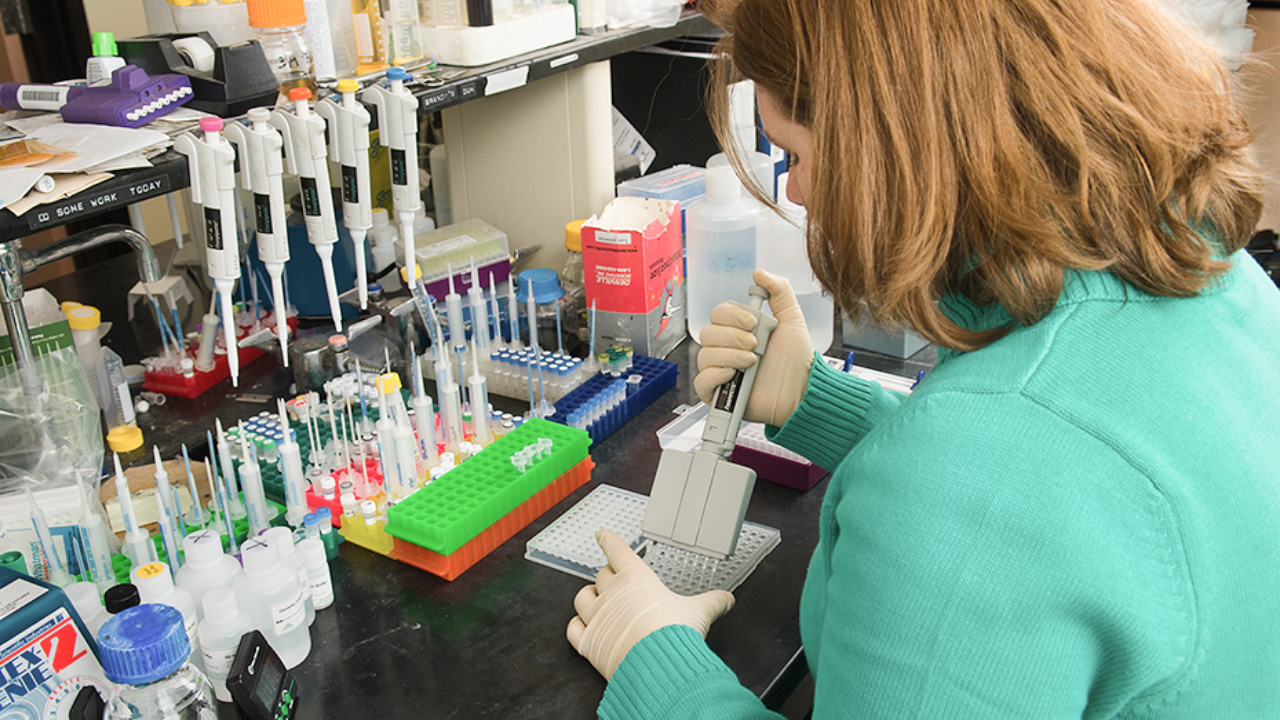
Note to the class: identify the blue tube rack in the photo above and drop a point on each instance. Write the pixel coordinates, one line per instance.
(657, 377)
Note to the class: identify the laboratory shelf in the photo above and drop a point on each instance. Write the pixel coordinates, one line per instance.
(169, 173)
(462, 503)
(656, 377)
(455, 86)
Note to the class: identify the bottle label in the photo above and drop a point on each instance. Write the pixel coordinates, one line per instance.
(290, 614)
(322, 591)
(217, 663)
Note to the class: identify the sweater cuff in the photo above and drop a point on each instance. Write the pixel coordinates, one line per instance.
(833, 415)
(661, 672)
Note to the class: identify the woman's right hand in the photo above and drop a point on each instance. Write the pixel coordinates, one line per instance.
(727, 345)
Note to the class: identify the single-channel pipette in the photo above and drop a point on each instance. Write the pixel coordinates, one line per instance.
(137, 543)
(167, 539)
(164, 491)
(398, 130)
(54, 564)
(99, 548)
(261, 172)
(211, 163)
(498, 342)
(480, 431)
(531, 308)
(251, 481)
(386, 439)
(479, 313)
(228, 469)
(295, 482)
(197, 512)
(220, 498)
(349, 130)
(306, 156)
(424, 416)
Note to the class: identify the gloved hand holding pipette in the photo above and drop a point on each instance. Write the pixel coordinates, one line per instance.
(784, 367)
(627, 602)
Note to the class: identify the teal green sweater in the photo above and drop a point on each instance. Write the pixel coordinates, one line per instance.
(1079, 520)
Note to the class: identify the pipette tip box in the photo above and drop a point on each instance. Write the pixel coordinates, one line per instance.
(657, 377)
(569, 544)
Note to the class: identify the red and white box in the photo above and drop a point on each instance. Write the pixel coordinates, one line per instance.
(633, 263)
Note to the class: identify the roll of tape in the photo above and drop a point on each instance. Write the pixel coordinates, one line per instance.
(196, 52)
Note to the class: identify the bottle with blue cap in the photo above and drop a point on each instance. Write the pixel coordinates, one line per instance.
(145, 651)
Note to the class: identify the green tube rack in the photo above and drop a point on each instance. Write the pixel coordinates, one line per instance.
(446, 514)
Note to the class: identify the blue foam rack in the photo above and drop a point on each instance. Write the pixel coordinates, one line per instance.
(656, 377)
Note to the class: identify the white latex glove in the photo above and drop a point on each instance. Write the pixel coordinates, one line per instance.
(727, 345)
(628, 602)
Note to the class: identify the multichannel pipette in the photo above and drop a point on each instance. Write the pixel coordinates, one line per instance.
(349, 130)
(54, 565)
(255, 499)
(197, 512)
(211, 163)
(236, 508)
(261, 169)
(699, 499)
(307, 157)
(99, 547)
(137, 543)
(424, 416)
(398, 130)
(480, 430)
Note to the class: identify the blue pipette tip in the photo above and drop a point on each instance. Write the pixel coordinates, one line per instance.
(919, 377)
(848, 362)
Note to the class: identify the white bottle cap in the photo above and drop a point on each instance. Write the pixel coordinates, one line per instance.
(327, 487)
(312, 550)
(83, 596)
(152, 580)
(219, 603)
(202, 547)
(282, 539)
(722, 184)
(259, 556)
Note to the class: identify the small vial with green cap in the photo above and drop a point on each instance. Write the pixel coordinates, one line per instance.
(98, 69)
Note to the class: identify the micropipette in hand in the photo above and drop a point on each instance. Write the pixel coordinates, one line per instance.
(699, 499)
(307, 157)
(349, 124)
(137, 542)
(211, 162)
(398, 129)
(56, 568)
(260, 148)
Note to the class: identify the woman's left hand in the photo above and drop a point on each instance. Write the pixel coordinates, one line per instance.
(628, 602)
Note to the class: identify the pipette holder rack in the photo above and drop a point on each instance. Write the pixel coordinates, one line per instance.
(176, 384)
(657, 377)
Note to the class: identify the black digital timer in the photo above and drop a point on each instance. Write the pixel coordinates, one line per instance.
(260, 685)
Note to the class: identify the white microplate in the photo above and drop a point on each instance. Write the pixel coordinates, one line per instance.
(569, 544)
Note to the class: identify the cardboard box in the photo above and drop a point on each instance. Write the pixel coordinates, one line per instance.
(633, 271)
(46, 654)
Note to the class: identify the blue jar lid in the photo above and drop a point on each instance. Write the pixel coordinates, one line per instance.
(397, 73)
(143, 644)
(545, 283)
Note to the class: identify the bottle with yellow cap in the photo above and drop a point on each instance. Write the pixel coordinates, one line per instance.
(226, 20)
(281, 29)
(86, 331)
(574, 303)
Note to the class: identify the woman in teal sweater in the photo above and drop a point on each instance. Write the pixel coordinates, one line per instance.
(1077, 513)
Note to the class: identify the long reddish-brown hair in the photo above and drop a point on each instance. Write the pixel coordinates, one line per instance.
(983, 147)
